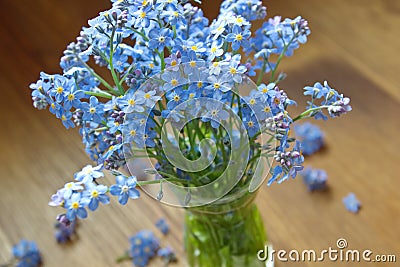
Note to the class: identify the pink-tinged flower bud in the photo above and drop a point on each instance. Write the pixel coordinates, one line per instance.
(295, 154)
(62, 218)
(138, 72)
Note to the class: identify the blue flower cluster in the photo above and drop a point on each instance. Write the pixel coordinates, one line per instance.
(310, 136)
(27, 254)
(86, 193)
(191, 58)
(335, 103)
(144, 246)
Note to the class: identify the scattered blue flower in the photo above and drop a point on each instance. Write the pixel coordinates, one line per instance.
(167, 254)
(144, 246)
(315, 179)
(351, 203)
(65, 231)
(310, 136)
(27, 253)
(163, 226)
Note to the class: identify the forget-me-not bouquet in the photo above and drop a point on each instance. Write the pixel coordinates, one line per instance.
(198, 99)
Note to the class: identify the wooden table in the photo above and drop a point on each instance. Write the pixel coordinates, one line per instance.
(354, 45)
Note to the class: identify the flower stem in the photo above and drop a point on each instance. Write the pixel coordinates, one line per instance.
(141, 183)
(261, 75)
(285, 48)
(113, 73)
(98, 77)
(99, 94)
(308, 111)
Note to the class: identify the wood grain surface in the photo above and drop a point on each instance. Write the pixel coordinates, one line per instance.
(354, 44)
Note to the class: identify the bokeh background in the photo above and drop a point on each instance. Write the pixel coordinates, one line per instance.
(354, 44)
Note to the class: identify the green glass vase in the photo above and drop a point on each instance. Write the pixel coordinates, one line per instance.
(225, 233)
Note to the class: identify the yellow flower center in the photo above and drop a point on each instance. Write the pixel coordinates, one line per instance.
(174, 82)
(70, 185)
(176, 14)
(232, 70)
(59, 90)
(151, 65)
(142, 14)
(239, 37)
(95, 193)
(110, 148)
(75, 205)
(250, 124)
(161, 39)
(173, 63)
(192, 64)
(267, 109)
(191, 95)
(239, 20)
(53, 106)
(199, 84)
(92, 110)
(217, 85)
(63, 118)
(265, 90)
(215, 64)
(132, 132)
(131, 102)
(147, 95)
(194, 48)
(88, 170)
(213, 49)
(277, 101)
(71, 97)
(177, 98)
(214, 112)
(252, 101)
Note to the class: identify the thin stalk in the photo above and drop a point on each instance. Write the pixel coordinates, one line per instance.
(113, 73)
(302, 115)
(99, 94)
(261, 75)
(280, 58)
(93, 73)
